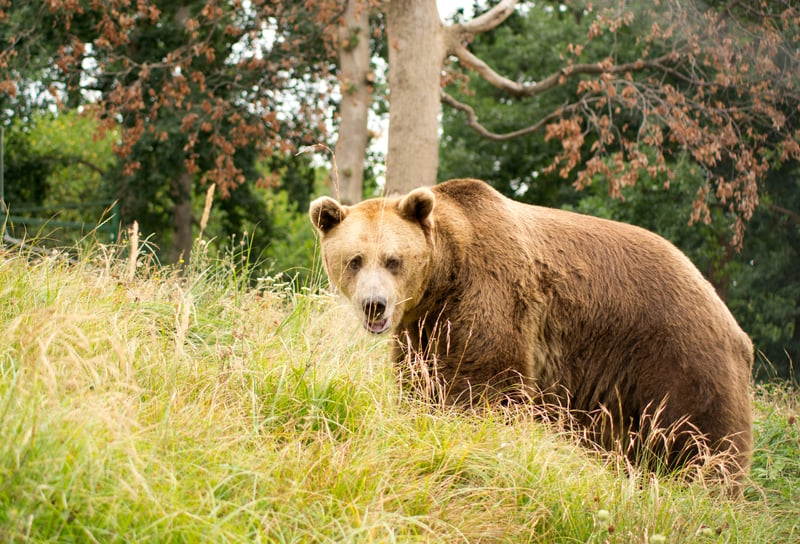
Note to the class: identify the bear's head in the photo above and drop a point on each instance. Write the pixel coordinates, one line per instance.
(378, 253)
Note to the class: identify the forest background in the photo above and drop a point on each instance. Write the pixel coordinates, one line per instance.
(677, 116)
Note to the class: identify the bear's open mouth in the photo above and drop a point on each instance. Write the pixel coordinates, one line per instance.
(377, 326)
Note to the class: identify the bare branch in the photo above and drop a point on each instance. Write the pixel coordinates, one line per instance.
(88, 164)
(472, 120)
(556, 78)
(490, 19)
(793, 217)
(485, 71)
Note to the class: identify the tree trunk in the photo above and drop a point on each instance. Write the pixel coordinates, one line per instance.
(416, 56)
(182, 217)
(182, 195)
(354, 63)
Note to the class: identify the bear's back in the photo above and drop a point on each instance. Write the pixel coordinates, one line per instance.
(600, 258)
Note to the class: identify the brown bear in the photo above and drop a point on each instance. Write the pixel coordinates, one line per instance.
(500, 297)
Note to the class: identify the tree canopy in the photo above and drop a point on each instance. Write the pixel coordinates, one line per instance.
(197, 91)
(650, 85)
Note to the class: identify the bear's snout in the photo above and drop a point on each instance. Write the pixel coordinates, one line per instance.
(374, 309)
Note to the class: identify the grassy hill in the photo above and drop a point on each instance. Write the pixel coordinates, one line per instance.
(154, 408)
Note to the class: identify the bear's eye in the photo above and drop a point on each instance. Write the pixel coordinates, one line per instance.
(354, 263)
(392, 264)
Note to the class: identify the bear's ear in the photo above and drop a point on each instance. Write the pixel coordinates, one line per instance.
(326, 213)
(418, 206)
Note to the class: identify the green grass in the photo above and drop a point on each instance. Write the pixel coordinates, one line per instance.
(169, 409)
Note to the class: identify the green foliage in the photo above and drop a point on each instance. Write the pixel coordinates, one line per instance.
(766, 292)
(194, 408)
(57, 164)
(72, 143)
(293, 248)
(263, 227)
(54, 159)
(25, 170)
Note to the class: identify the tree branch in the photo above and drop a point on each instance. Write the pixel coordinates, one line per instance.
(490, 19)
(793, 217)
(530, 89)
(472, 120)
(88, 164)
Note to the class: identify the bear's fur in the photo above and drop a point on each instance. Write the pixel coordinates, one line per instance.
(599, 316)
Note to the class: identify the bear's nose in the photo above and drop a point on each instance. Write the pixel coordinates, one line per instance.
(374, 307)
